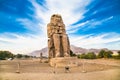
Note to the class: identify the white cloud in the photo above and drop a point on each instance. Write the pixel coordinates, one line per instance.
(28, 24)
(98, 41)
(26, 44)
(23, 44)
(90, 24)
(74, 28)
(71, 11)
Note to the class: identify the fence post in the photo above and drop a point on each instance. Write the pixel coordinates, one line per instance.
(18, 67)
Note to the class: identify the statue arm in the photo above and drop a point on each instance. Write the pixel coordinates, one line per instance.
(49, 31)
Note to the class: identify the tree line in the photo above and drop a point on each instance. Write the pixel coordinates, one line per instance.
(101, 54)
(7, 54)
(90, 55)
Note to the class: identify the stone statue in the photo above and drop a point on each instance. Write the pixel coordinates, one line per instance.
(58, 42)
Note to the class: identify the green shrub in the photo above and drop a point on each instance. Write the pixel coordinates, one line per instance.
(5, 55)
(91, 55)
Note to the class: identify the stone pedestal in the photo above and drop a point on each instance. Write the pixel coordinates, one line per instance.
(63, 62)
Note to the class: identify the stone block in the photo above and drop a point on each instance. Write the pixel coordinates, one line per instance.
(63, 62)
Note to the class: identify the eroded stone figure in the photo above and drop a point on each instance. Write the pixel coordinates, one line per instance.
(58, 41)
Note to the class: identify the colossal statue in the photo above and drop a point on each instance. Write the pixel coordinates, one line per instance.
(58, 41)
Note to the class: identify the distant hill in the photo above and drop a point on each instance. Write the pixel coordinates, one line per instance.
(75, 49)
(37, 52)
(79, 50)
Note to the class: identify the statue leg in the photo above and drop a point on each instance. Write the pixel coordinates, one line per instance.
(50, 48)
(56, 40)
(66, 45)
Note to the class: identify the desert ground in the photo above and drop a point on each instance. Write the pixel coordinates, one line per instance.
(33, 69)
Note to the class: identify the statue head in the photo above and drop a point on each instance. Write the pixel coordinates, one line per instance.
(56, 18)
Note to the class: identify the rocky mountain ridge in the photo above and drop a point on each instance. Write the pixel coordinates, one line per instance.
(75, 49)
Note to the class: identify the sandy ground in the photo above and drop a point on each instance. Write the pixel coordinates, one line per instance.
(99, 69)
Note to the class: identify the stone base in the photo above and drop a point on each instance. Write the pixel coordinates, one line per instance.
(63, 62)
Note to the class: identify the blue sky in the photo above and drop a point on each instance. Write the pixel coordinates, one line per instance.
(89, 23)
